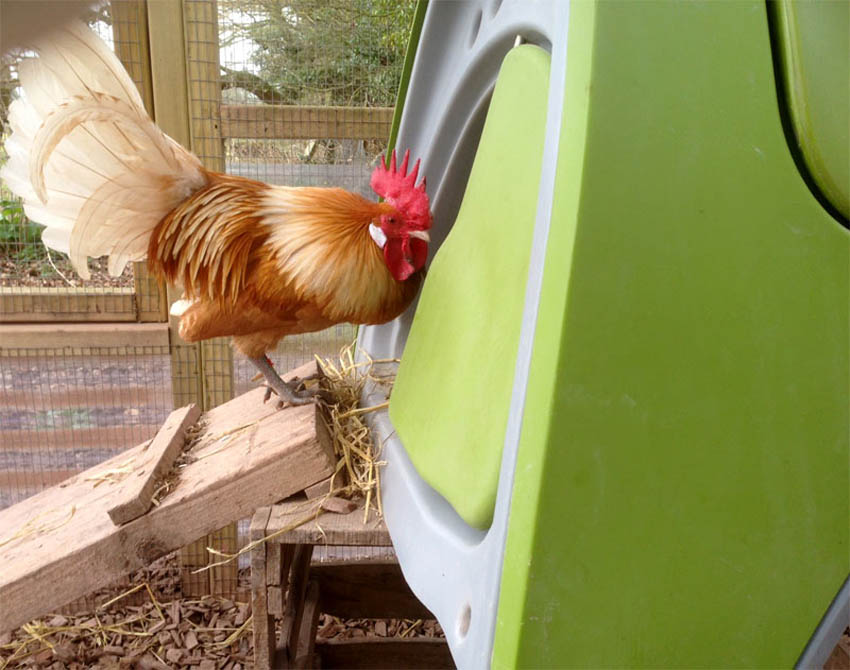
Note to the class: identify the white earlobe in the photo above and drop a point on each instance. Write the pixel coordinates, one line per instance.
(377, 235)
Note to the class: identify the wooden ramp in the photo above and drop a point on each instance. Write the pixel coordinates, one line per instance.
(62, 543)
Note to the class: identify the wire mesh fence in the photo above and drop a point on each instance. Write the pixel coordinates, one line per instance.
(64, 410)
(290, 92)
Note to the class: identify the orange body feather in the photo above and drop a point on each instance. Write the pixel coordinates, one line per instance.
(258, 261)
(263, 262)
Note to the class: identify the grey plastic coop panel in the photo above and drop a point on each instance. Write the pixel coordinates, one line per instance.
(453, 568)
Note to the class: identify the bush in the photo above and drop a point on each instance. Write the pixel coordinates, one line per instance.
(20, 238)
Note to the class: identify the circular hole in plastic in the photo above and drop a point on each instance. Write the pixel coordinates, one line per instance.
(464, 620)
(495, 7)
(476, 26)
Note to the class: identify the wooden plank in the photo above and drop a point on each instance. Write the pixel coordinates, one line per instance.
(263, 628)
(278, 567)
(150, 294)
(384, 653)
(322, 488)
(333, 529)
(367, 590)
(274, 563)
(274, 594)
(64, 336)
(136, 498)
(305, 123)
(61, 544)
(219, 421)
(839, 659)
(306, 646)
(250, 405)
(28, 305)
(168, 69)
(294, 607)
(131, 39)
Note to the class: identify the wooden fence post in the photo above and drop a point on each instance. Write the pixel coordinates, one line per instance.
(130, 35)
(184, 82)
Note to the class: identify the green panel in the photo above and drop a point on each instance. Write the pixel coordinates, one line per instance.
(451, 398)
(681, 497)
(814, 42)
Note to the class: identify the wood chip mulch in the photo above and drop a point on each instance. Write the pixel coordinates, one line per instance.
(333, 628)
(207, 634)
(149, 626)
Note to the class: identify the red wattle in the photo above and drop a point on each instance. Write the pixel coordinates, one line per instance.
(399, 259)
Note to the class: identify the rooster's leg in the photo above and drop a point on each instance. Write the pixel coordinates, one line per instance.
(284, 391)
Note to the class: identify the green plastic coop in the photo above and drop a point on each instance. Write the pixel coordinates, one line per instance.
(619, 432)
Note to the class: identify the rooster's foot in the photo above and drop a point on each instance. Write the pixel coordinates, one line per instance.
(288, 394)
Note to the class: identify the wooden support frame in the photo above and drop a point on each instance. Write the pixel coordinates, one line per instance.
(61, 544)
(285, 585)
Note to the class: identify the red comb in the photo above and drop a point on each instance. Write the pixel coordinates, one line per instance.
(399, 189)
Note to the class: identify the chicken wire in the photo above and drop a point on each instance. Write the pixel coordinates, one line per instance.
(63, 411)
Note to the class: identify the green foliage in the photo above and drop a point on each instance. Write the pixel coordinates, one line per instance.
(325, 52)
(20, 238)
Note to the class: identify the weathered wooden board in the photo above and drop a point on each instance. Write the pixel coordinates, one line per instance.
(307, 631)
(61, 544)
(263, 625)
(87, 336)
(331, 529)
(305, 123)
(25, 304)
(136, 496)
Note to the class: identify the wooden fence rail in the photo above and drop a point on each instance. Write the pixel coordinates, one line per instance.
(305, 123)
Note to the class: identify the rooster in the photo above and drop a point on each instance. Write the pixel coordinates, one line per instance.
(256, 262)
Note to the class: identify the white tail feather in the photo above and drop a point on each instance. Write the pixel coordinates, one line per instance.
(85, 157)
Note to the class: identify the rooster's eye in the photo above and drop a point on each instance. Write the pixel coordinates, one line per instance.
(391, 219)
